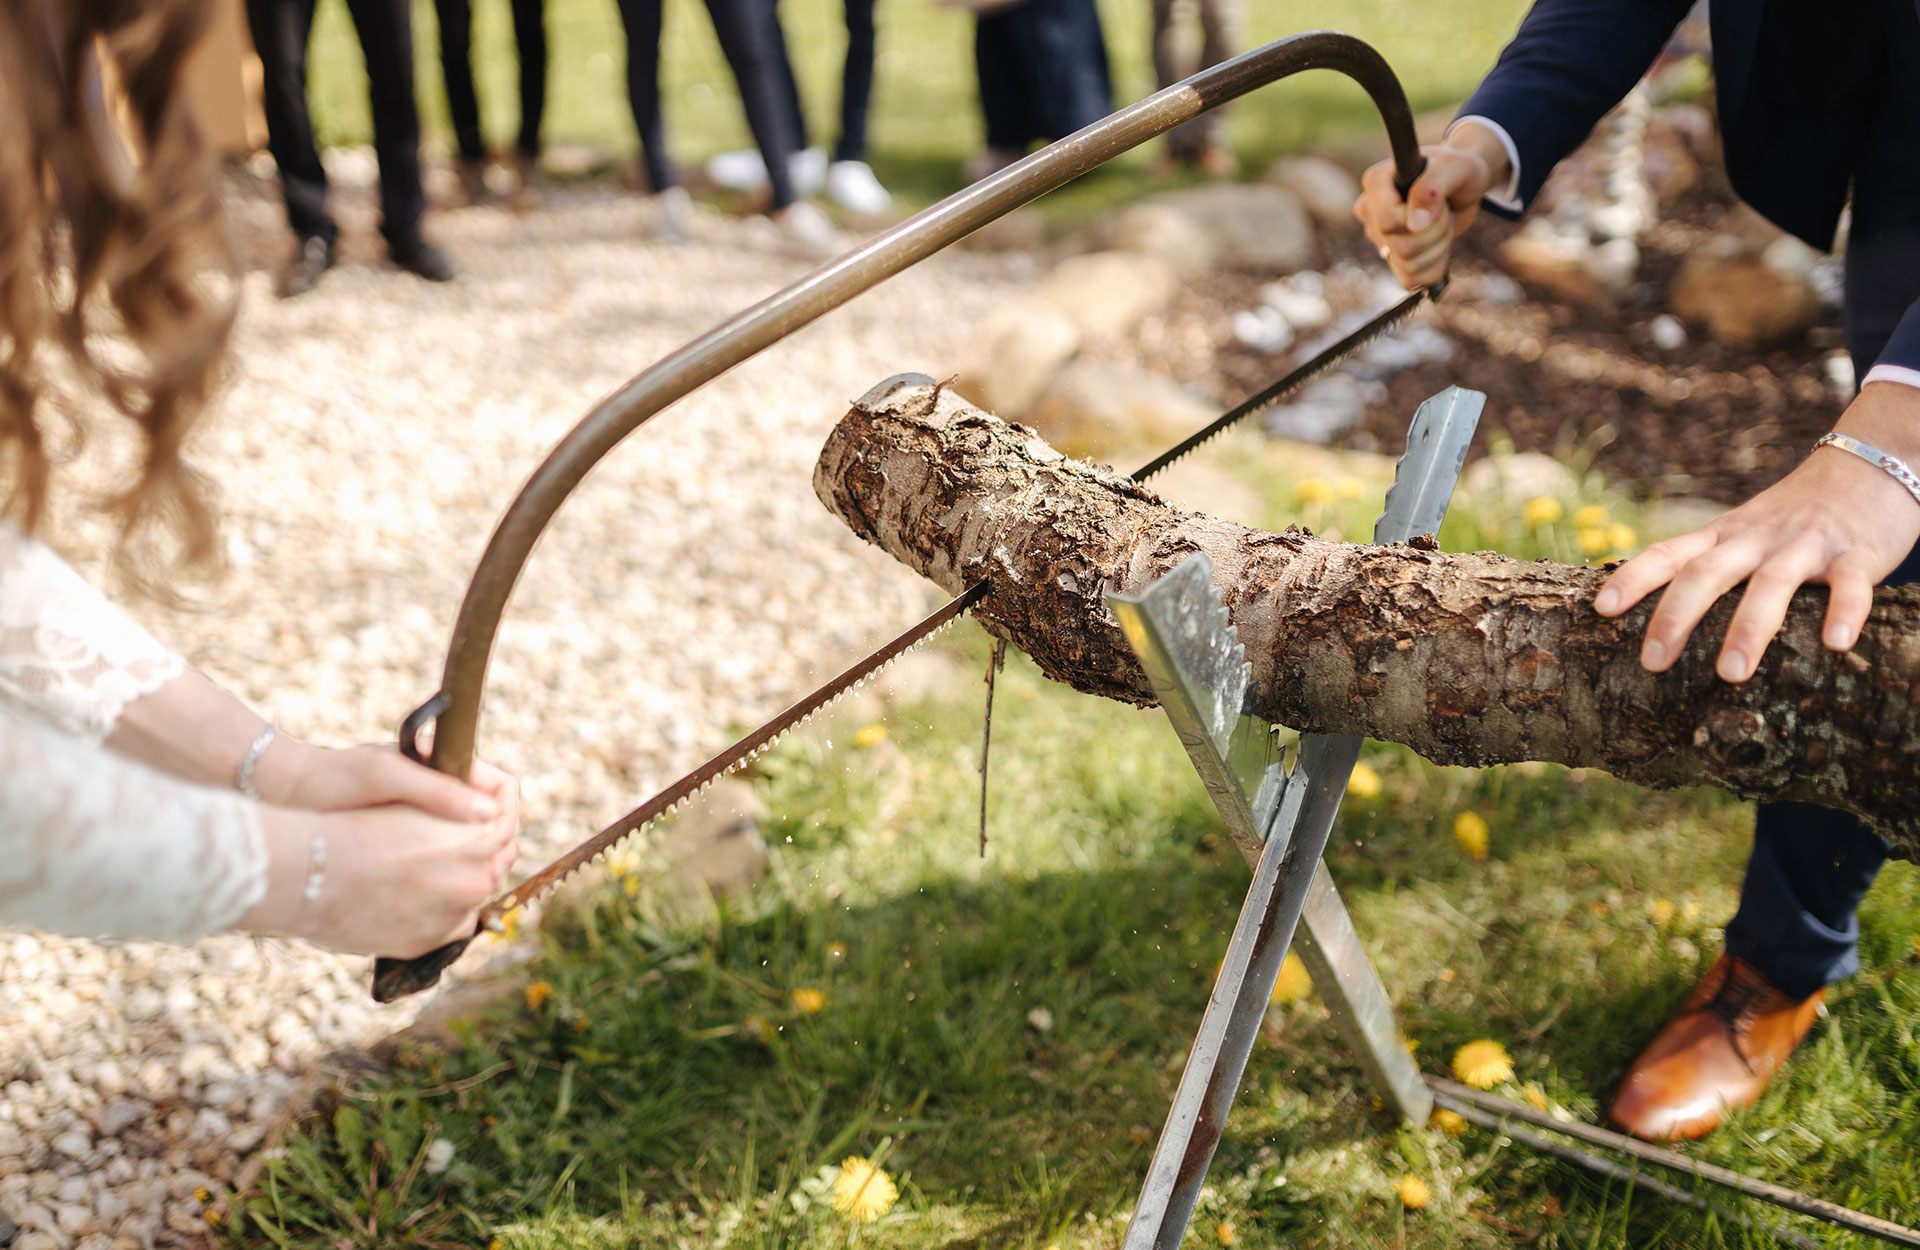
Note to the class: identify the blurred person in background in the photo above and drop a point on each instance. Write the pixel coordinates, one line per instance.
(1200, 143)
(748, 38)
(847, 178)
(281, 29)
(139, 800)
(1814, 103)
(1043, 73)
(463, 106)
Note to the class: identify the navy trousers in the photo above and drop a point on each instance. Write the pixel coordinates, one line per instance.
(1811, 866)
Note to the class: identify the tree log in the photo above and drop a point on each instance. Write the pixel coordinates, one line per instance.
(1467, 658)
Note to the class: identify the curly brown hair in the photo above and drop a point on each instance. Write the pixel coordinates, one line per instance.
(113, 255)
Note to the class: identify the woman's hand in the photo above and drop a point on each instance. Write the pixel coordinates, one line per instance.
(1415, 235)
(1836, 521)
(397, 880)
(296, 774)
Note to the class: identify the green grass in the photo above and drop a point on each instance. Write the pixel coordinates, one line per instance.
(670, 1092)
(926, 111)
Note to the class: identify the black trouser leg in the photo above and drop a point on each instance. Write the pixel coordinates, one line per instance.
(856, 82)
(998, 59)
(746, 30)
(641, 20)
(796, 112)
(386, 36)
(456, 69)
(280, 30)
(530, 35)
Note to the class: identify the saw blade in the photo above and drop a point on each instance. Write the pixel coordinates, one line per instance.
(395, 978)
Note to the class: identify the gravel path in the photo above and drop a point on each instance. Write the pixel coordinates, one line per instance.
(370, 436)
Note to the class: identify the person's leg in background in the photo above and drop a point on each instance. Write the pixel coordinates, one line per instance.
(463, 106)
(386, 37)
(1002, 53)
(1202, 141)
(280, 30)
(641, 19)
(851, 182)
(1072, 86)
(745, 29)
(530, 38)
(1796, 930)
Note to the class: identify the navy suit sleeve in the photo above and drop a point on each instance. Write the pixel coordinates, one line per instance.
(1571, 61)
(1903, 348)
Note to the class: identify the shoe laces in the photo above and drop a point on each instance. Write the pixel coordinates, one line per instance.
(1734, 1002)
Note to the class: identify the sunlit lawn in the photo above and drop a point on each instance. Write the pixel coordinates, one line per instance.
(1004, 1033)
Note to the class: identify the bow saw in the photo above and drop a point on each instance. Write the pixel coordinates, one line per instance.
(454, 709)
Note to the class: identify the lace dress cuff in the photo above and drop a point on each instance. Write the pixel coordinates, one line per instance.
(69, 658)
(95, 845)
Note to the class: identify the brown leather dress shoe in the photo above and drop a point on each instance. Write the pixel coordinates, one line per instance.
(1733, 1033)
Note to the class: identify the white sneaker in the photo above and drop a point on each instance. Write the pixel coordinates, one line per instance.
(808, 231)
(672, 210)
(852, 186)
(738, 171)
(744, 170)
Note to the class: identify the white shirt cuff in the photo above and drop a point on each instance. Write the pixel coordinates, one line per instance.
(1507, 197)
(1893, 373)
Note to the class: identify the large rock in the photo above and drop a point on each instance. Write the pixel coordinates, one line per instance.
(1560, 264)
(1256, 224)
(1170, 233)
(1016, 350)
(1101, 411)
(1326, 187)
(1743, 300)
(1513, 479)
(1106, 292)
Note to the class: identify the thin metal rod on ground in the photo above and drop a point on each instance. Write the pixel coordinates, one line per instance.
(1475, 1105)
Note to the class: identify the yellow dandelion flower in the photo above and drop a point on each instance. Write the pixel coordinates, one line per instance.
(1364, 783)
(836, 950)
(809, 1000)
(870, 735)
(1448, 974)
(495, 1244)
(1535, 1096)
(1140, 1134)
(630, 885)
(489, 1120)
(203, 1195)
(1600, 907)
(1312, 490)
(1452, 1123)
(538, 992)
(1662, 911)
(214, 1216)
(582, 1022)
(509, 925)
(1593, 542)
(1551, 1207)
(862, 1191)
(1470, 831)
(1414, 1193)
(1293, 983)
(1591, 517)
(1622, 537)
(1227, 1233)
(1541, 510)
(1349, 487)
(1412, 1044)
(1690, 911)
(1482, 1064)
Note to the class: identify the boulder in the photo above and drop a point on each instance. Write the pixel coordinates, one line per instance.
(1325, 187)
(1102, 411)
(716, 840)
(1107, 292)
(1256, 224)
(1016, 350)
(1743, 300)
(1514, 479)
(1169, 233)
(1560, 264)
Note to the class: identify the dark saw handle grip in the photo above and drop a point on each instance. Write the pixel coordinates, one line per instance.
(396, 978)
(1404, 178)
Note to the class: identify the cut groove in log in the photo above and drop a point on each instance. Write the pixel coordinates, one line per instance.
(1467, 658)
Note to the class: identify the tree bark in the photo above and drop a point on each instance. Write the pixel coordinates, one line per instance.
(1467, 658)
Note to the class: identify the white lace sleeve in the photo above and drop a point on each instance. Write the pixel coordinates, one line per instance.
(69, 658)
(95, 845)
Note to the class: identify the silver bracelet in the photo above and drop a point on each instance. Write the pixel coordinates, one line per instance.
(316, 866)
(1874, 456)
(243, 776)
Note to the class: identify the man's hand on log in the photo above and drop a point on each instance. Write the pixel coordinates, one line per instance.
(1836, 520)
